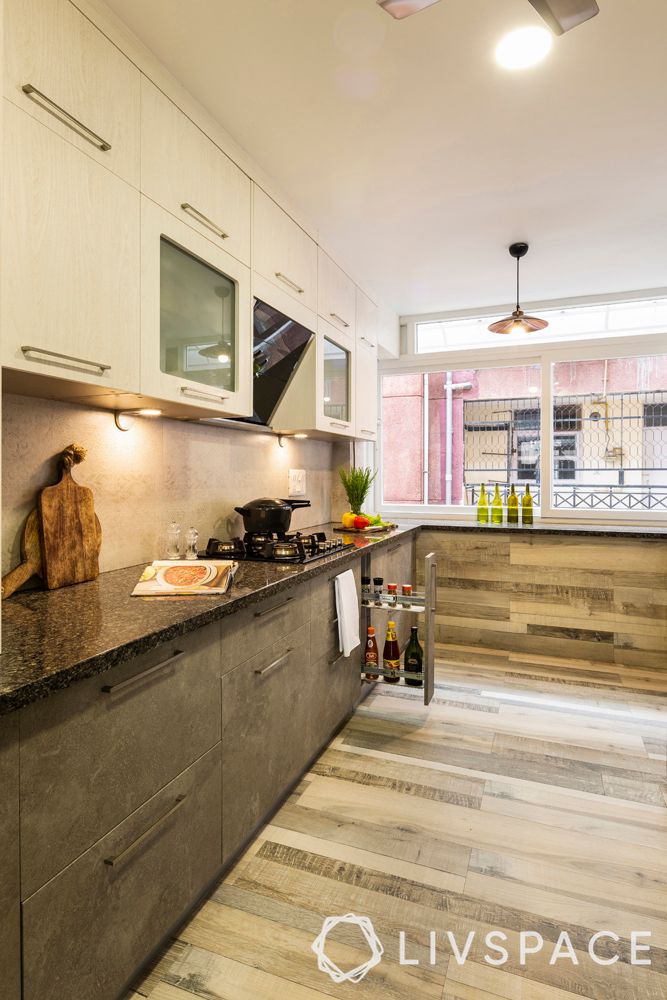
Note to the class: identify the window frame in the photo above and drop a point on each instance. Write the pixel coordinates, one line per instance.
(545, 356)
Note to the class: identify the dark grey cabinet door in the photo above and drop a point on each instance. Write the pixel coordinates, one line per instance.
(10, 912)
(90, 755)
(87, 932)
(265, 706)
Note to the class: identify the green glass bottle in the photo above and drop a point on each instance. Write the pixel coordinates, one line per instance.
(527, 507)
(413, 659)
(497, 507)
(512, 507)
(483, 507)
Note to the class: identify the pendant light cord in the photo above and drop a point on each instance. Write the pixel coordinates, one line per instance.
(518, 261)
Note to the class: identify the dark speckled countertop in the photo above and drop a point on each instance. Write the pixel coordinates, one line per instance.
(52, 638)
(552, 528)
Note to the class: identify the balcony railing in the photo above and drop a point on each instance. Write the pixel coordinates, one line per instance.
(586, 496)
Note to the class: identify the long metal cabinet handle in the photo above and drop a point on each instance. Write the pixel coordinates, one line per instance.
(364, 430)
(204, 220)
(200, 394)
(332, 663)
(276, 607)
(77, 362)
(340, 320)
(371, 343)
(337, 423)
(65, 117)
(113, 688)
(288, 281)
(124, 855)
(265, 671)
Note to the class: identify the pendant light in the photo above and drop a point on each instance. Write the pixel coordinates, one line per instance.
(219, 351)
(518, 322)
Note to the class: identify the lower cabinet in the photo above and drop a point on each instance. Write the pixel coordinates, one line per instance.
(264, 733)
(87, 931)
(10, 910)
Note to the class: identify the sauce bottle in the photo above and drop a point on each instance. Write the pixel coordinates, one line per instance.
(391, 656)
(371, 655)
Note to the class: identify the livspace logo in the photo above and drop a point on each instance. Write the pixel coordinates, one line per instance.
(600, 948)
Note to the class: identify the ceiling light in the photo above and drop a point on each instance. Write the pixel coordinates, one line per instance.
(523, 48)
(518, 322)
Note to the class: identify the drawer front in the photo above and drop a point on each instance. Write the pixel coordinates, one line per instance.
(282, 251)
(265, 707)
(249, 632)
(186, 173)
(87, 932)
(86, 90)
(324, 614)
(89, 756)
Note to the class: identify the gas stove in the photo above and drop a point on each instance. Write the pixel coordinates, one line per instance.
(292, 547)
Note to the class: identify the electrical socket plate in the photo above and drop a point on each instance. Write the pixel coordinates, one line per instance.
(296, 484)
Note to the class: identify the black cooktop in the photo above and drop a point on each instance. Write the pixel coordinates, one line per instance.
(292, 547)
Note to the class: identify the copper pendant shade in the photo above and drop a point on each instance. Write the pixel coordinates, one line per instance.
(518, 322)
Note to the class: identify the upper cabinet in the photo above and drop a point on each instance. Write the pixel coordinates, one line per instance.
(366, 410)
(186, 173)
(282, 252)
(65, 73)
(70, 286)
(196, 315)
(336, 295)
(367, 321)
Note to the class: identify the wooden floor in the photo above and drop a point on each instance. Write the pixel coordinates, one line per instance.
(530, 796)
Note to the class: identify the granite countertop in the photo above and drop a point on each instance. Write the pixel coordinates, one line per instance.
(52, 638)
(550, 528)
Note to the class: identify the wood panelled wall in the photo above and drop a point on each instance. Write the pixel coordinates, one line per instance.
(584, 597)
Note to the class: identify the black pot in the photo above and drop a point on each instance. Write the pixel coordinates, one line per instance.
(269, 515)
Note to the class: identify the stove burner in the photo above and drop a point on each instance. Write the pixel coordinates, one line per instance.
(292, 547)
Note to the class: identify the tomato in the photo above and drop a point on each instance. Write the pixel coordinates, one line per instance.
(361, 521)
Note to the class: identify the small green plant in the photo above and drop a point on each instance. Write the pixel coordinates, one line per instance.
(357, 484)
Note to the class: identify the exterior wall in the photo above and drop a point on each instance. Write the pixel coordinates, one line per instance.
(601, 599)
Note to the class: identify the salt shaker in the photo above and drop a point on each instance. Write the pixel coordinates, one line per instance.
(174, 541)
(191, 539)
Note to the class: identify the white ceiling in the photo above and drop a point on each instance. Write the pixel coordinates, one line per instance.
(419, 160)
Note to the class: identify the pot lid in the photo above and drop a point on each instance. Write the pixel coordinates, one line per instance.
(267, 503)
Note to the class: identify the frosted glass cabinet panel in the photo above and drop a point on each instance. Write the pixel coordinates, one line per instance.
(197, 319)
(337, 367)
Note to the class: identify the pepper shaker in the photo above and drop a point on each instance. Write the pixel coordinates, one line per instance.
(191, 539)
(174, 541)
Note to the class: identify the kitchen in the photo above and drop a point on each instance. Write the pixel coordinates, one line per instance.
(239, 323)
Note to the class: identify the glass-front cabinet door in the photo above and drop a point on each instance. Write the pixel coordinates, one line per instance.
(196, 318)
(337, 373)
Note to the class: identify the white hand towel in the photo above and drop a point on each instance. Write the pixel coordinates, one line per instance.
(347, 608)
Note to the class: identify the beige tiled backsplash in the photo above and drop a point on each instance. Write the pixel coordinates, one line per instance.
(158, 470)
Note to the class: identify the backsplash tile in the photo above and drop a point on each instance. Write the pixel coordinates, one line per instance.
(159, 470)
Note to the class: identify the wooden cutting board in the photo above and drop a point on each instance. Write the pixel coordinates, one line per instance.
(31, 557)
(71, 532)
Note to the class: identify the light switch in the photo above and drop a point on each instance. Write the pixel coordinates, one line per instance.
(296, 486)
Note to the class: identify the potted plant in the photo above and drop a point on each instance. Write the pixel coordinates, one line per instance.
(357, 484)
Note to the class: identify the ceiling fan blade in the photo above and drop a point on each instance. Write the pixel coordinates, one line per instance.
(562, 15)
(404, 8)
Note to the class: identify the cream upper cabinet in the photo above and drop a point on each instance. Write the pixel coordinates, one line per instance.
(70, 274)
(282, 252)
(335, 394)
(65, 73)
(186, 173)
(366, 412)
(336, 295)
(196, 318)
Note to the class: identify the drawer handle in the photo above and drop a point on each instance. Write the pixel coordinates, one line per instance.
(288, 281)
(332, 663)
(265, 671)
(65, 117)
(276, 607)
(337, 423)
(340, 320)
(219, 397)
(76, 367)
(113, 688)
(204, 220)
(124, 855)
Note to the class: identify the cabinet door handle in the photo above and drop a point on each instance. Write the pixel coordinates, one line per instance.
(204, 220)
(288, 281)
(65, 117)
(364, 430)
(276, 607)
(113, 688)
(76, 364)
(371, 343)
(339, 319)
(394, 548)
(265, 671)
(337, 423)
(332, 663)
(143, 837)
(218, 397)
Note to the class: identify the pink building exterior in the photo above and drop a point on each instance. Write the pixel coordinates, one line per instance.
(402, 409)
